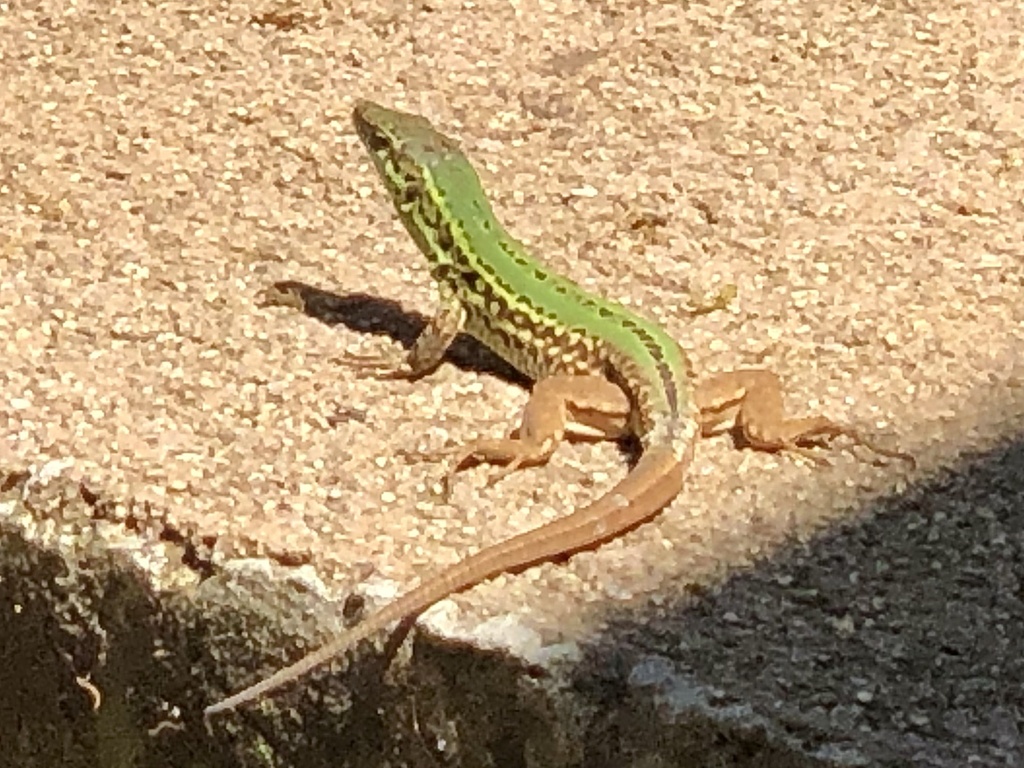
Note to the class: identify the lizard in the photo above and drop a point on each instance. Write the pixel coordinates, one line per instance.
(599, 371)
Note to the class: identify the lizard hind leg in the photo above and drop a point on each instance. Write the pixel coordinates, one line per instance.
(559, 407)
(822, 430)
(751, 399)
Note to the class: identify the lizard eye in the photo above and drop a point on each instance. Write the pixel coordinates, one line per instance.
(375, 141)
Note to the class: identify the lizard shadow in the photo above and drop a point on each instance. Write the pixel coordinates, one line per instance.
(363, 313)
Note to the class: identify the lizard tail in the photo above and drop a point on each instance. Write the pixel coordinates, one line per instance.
(654, 482)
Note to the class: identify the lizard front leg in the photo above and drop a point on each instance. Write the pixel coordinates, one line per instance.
(751, 400)
(426, 352)
(422, 358)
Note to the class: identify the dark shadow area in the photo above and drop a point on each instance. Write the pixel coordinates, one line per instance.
(93, 667)
(452, 706)
(897, 638)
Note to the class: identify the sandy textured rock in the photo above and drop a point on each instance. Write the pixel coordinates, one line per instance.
(858, 172)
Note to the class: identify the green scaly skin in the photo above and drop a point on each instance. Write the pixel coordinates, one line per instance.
(544, 325)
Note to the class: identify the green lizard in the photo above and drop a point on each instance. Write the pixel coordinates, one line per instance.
(599, 370)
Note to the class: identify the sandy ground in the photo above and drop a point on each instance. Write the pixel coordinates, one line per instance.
(855, 170)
